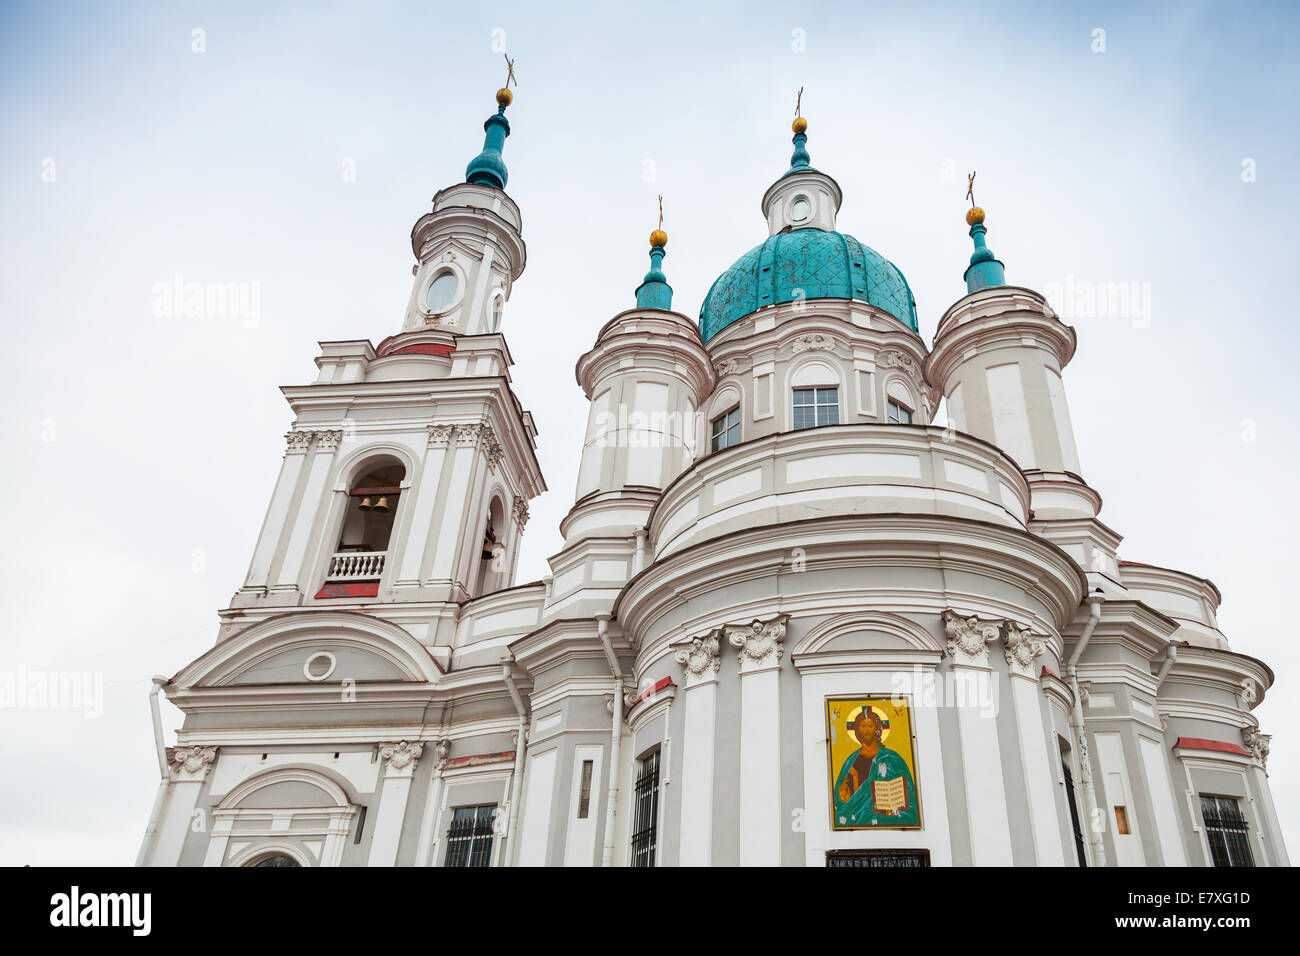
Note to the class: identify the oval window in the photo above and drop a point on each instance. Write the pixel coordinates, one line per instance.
(800, 210)
(441, 292)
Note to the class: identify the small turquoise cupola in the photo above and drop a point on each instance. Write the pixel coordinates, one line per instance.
(984, 271)
(799, 159)
(654, 292)
(488, 167)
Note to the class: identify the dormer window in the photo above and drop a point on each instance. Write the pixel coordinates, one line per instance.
(442, 292)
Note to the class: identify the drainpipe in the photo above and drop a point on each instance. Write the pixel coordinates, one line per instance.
(151, 829)
(1171, 655)
(1097, 849)
(616, 733)
(521, 747)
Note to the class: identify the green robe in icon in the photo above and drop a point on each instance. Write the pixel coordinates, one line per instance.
(859, 809)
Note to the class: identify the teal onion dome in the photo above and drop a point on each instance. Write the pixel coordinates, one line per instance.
(984, 271)
(488, 167)
(654, 292)
(806, 264)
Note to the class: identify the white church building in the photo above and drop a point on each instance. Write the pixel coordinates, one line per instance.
(792, 622)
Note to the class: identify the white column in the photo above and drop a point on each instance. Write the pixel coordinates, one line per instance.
(761, 821)
(189, 766)
(399, 767)
(455, 502)
(259, 571)
(986, 795)
(428, 829)
(702, 660)
(309, 510)
(426, 495)
(1022, 649)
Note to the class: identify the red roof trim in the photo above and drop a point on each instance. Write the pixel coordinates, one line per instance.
(665, 682)
(1201, 743)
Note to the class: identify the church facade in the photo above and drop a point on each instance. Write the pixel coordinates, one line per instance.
(793, 622)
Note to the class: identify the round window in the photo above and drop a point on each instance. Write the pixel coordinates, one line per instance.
(801, 209)
(441, 292)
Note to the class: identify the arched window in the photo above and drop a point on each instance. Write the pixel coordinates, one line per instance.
(276, 859)
(492, 572)
(368, 522)
(815, 396)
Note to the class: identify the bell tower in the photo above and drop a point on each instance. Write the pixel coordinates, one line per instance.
(410, 465)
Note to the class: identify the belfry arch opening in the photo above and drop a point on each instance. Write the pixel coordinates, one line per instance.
(491, 570)
(369, 516)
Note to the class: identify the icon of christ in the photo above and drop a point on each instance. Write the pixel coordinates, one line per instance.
(874, 786)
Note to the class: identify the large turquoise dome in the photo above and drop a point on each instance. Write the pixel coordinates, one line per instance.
(823, 265)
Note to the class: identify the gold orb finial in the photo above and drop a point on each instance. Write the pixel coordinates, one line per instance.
(800, 125)
(504, 97)
(658, 238)
(974, 216)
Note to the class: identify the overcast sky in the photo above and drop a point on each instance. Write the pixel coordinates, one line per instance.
(294, 151)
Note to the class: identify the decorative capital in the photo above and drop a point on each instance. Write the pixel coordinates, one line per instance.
(467, 436)
(401, 757)
(520, 512)
(1022, 647)
(329, 439)
(191, 763)
(441, 750)
(492, 447)
(1258, 744)
(440, 435)
(761, 644)
(969, 638)
(298, 442)
(702, 658)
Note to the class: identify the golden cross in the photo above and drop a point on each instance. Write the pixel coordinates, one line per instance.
(970, 188)
(510, 68)
(798, 100)
(661, 212)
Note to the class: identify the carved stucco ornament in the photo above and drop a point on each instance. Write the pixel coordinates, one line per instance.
(440, 435)
(969, 638)
(1022, 647)
(191, 763)
(298, 442)
(760, 644)
(702, 658)
(1258, 745)
(401, 756)
(732, 365)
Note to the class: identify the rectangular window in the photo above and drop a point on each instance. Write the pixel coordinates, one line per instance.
(899, 414)
(469, 840)
(645, 812)
(726, 430)
(1226, 830)
(584, 791)
(816, 406)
